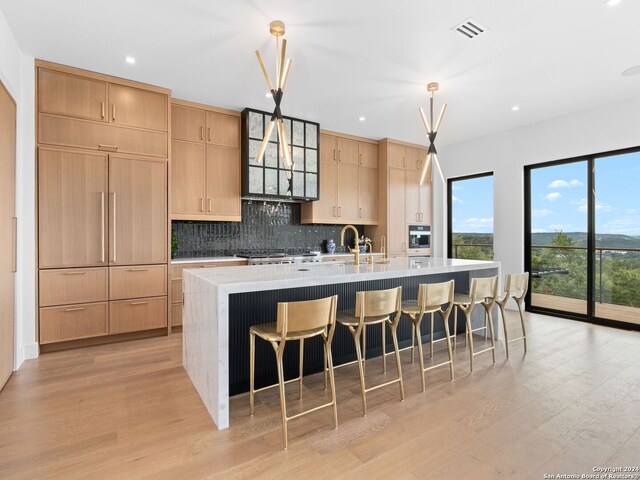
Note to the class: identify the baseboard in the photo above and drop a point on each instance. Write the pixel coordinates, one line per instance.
(31, 350)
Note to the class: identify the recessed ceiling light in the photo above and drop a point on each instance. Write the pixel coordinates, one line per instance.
(130, 60)
(612, 3)
(630, 72)
(515, 108)
(362, 119)
(268, 95)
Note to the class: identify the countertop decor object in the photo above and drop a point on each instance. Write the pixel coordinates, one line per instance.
(432, 154)
(331, 247)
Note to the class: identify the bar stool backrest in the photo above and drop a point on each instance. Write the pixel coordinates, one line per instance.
(378, 302)
(436, 294)
(484, 288)
(516, 284)
(308, 315)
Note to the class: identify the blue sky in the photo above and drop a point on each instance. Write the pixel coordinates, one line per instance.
(559, 196)
(473, 205)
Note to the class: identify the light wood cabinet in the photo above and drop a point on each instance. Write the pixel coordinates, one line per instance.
(205, 171)
(74, 133)
(396, 237)
(73, 285)
(137, 315)
(348, 183)
(58, 324)
(187, 123)
(138, 281)
(72, 96)
(188, 177)
(8, 233)
(222, 182)
(72, 206)
(137, 107)
(137, 211)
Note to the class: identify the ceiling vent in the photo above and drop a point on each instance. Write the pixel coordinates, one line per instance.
(470, 29)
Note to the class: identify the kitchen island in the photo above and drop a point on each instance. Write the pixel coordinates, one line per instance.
(221, 304)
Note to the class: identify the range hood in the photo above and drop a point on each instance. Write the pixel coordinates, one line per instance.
(270, 179)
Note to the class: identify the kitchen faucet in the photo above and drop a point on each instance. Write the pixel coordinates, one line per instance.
(356, 250)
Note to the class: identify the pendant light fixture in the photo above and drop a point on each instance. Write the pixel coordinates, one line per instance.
(277, 91)
(432, 154)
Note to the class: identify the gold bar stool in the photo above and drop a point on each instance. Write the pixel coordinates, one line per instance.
(516, 286)
(483, 291)
(375, 308)
(431, 297)
(296, 321)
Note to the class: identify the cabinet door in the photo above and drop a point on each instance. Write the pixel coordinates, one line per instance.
(348, 208)
(327, 206)
(223, 182)
(72, 209)
(347, 151)
(396, 155)
(72, 96)
(187, 177)
(135, 107)
(414, 158)
(7, 231)
(396, 228)
(223, 130)
(368, 194)
(328, 148)
(187, 123)
(412, 196)
(368, 153)
(137, 211)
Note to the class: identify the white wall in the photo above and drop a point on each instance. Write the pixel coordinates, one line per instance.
(17, 74)
(600, 129)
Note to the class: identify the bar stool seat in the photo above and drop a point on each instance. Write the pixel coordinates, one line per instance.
(348, 317)
(465, 299)
(411, 307)
(296, 321)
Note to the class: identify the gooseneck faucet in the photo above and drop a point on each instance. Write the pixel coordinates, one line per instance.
(356, 250)
(370, 258)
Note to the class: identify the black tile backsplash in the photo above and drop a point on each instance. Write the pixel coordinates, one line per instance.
(265, 226)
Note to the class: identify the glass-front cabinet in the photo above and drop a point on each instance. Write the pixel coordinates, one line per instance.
(271, 177)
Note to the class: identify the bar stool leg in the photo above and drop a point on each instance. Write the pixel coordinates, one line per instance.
(469, 340)
(332, 383)
(283, 403)
(524, 332)
(414, 333)
(384, 347)
(493, 338)
(394, 334)
(449, 350)
(485, 326)
(416, 327)
(325, 369)
(364, 347)
(504, 327)
(431, 339)
(356, 339)
(301, 368)
(252, 362)
(455, 327)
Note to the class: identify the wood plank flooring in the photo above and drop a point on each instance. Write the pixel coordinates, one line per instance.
(129, 411)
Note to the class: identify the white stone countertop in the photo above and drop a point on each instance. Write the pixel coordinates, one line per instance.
(275, 277)
(180, 261)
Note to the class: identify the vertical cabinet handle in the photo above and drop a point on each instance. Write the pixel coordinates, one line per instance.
(114, 227)
(360, 212)
(102, 242)
(339, 211)
(209, 133)
(335, 159)
(209, 200)
(360, 159)
(113, 112)
(404, 247)
(334, 211)
(14, 235)
(339, 156)
(201, 204)
(201, 133)
(102, 112)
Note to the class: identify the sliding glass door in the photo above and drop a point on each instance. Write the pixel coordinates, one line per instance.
(583, 236)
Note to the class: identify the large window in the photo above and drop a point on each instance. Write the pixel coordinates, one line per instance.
(471, 217)
(583, 236)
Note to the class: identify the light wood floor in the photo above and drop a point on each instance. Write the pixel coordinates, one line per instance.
(129, 411)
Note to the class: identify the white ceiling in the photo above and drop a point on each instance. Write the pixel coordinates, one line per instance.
(356, 57)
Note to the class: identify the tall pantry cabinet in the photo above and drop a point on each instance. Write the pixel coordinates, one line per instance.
(103, 155)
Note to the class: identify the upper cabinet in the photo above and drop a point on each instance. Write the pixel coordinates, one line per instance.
(72, 96)
(98, 112)
(135, 107)
(348, 183)
(205, 163)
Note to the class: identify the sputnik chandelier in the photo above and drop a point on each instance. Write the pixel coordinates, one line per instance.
(282, 73)
(432, 154)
